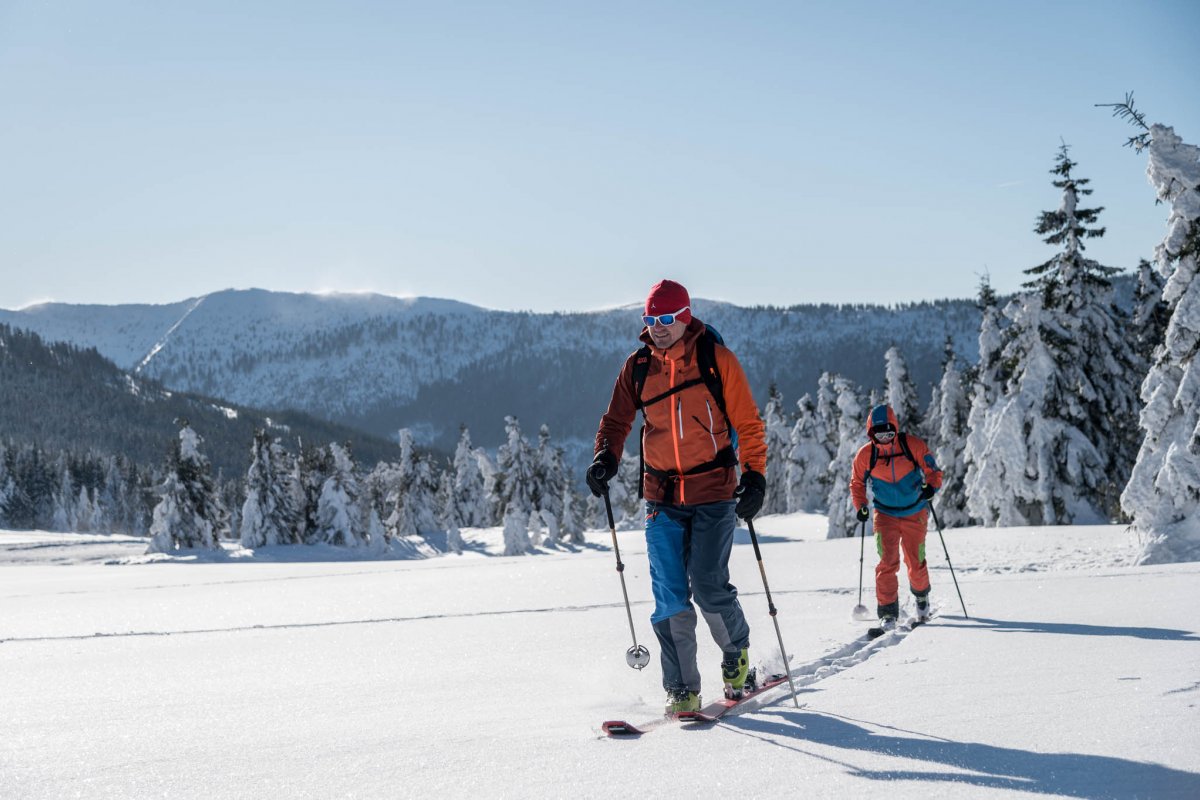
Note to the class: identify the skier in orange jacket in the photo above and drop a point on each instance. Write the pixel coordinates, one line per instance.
(904, 476)
(701, 425)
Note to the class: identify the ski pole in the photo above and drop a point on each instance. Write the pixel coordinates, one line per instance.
(771, 606)
(860, 611)
(938, 523)
(862, 546)
(637, 656)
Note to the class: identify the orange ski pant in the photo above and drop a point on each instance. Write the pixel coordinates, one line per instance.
(893, 534)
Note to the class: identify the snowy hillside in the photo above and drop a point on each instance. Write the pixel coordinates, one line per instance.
(381, 362)
(60, 398)
(301, 674)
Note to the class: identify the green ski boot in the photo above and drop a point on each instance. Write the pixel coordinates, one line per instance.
(680, 700)
(736, 673)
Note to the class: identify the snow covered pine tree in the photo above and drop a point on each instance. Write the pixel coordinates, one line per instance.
(189, 513)
(1163, 494)
(1050, 448)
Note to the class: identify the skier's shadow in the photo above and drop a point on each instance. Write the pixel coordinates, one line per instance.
(1074, 629)
(977, 764)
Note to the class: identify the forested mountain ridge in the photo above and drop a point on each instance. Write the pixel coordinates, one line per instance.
(380, 363)
(60, 397)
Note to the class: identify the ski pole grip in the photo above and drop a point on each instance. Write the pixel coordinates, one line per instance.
(596, 471)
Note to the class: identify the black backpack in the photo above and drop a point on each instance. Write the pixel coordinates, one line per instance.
(706, 360)
(710, 376)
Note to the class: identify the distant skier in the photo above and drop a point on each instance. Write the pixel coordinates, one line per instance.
(699, 415)
(904, 476)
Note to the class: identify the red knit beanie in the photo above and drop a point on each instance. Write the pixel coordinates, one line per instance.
(667, 297)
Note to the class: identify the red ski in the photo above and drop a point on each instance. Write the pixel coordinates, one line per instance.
(710, 713)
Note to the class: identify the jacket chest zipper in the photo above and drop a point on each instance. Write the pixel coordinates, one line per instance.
(711, 427)
(890, 463)
(677, 422)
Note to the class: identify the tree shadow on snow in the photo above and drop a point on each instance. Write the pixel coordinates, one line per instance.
(1075, 629)
(1064, 774)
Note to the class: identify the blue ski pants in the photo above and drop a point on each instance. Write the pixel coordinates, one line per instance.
(689, 548)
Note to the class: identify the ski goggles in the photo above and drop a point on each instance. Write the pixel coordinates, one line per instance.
(663, 319)
(883, 437)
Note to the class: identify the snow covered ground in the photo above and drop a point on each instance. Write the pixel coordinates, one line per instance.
(311, 673)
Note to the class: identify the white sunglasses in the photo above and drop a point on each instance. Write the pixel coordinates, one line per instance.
(663, 319)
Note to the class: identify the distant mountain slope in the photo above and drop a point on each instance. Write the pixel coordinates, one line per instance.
(65, 398)
(379, 363)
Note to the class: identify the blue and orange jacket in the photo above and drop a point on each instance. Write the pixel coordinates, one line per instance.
(687, 430)
(895, 480)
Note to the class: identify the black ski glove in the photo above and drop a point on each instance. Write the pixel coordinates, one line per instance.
(863, 514)
(927, 491)
(601, 472)
(750, 493)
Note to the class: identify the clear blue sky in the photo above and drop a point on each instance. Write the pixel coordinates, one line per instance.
(565, 155)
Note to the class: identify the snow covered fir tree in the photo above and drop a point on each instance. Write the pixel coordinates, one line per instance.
(851, 424)
(470, 500)
(189, 513)
(946, 431)
(1049, 447)
(812, 443)
(72, 492)
(339, 517)
(900, 392)
(1163, 493)
(778, 434)
(268, 515)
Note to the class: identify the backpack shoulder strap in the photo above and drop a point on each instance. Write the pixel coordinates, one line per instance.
(903, 447)
(706, 360)
(903, 437)
(641, 367)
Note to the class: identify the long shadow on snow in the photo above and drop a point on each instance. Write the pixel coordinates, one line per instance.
(335, 554)
(742, 536)
(1076, 629)
(1065, 774)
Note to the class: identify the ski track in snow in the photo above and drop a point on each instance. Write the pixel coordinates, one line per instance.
(163, 341)
(806, 675)
(846, 657)
(1194, 687)
(295, 625)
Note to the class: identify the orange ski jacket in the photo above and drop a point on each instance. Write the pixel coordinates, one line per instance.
(686, 430)
(896, 479)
